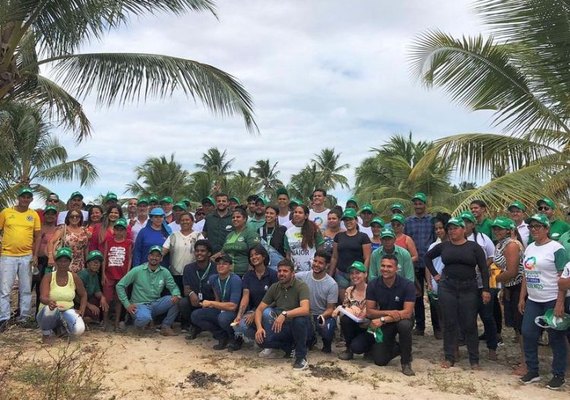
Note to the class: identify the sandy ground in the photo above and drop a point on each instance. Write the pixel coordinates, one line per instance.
(156, 367)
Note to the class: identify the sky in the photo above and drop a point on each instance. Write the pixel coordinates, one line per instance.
(322, 73)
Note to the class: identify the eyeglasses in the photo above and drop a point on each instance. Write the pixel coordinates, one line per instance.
(535, 226)
(543, 208)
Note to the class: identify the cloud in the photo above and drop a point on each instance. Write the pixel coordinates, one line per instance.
(322, 74)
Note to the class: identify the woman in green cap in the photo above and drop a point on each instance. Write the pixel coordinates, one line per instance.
(398, 222)
(57, 291)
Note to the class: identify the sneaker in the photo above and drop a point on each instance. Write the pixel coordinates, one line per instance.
(530, 377)
(301, 364)
(267, 353)
(167, 331)
(289, 353)
(407, 370)
(346, 355)
(222, 344)
(556, 382)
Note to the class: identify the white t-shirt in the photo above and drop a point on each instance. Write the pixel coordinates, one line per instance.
(182, 253)
(199, 226)
(320, 218)
(61, 217)
(283, 220)
(365, 229)
(524, 232)
(136, 228)
(437, 263)
(301, 258)
(175, 226)
(488, 248)
(541, 266)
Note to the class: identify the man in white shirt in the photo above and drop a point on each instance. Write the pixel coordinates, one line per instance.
(319, 213)
(517, 213)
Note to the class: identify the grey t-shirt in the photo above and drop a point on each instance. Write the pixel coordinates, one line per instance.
(321, 292)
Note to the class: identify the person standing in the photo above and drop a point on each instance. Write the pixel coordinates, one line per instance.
(319, 213)
(420, 228)
(46, 233)
(218, 223)
(131, 210)
(557, 227)
(283, 204)
(141, 219)
(153, 234)
(257, 220)
(20, 227)
(483, 224)
(75, 203)
(517, 213)
(302, 239)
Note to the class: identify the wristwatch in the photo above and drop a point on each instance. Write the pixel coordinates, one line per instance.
(284, 313)
(382, 319)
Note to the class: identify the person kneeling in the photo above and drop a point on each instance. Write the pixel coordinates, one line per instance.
(217, 315)
(390, 301)
(57, 291)
(96, 301)
(285, 325)
(149, 280)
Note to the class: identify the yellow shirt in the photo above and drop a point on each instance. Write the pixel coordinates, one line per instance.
(18, 231)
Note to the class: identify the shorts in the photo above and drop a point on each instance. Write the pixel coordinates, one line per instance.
(109, 289)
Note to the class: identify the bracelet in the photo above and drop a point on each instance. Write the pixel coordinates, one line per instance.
(189, 294)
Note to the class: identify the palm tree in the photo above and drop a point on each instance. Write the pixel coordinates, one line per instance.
(329, 169)
(266, 176)
(48, 34)
(161, 177)
(241, 185)
(30, 156)
(522, 74)
(304, 182)
(217, 166)
(392, 175)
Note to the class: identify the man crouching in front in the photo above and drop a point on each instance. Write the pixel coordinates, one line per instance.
(286, 323)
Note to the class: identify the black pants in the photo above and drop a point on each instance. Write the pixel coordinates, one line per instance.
(419, 308)
(356, 338)
(37, 279)
(185, 311)
(458, 300)
(497, 313)
(384, 352)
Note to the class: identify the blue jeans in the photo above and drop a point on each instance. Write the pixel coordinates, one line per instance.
(531, 333)
(215, 321)
(244, 330)
(10, 268)
(147, 311)
(325, 331)
(293, 333)
(48, 320)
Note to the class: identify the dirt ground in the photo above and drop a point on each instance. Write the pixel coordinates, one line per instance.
(130, 366)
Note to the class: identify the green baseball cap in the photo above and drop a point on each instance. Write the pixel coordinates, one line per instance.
(387, 232)
(208, 199)
(180, 205)
(94, 255)
(166, 199)
(349, 213)
(142, 200)
(468, 215)
(357, 265)
(295, 202)
(503, 223)
(63, 252)
(121, 222)
(282, 190)
(398, 217)
(111, 196)
(457, 221)
(420, 196)
(235, 200)
(546, 201)
(25, 190)
(50, 208)
(377, 220)
(153, 199)
(517, 204)
(397, 206)
(367, 208)
(186, 201)
(262, 199)
(540, 218)
(155, 248)
(352, 200)
(76, 194)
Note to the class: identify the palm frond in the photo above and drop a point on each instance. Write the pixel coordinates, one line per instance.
(130, 77)
(81, 169)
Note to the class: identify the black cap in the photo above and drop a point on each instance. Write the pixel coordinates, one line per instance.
(225, 258)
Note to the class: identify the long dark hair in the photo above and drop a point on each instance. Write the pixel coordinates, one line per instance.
(308, 230)
(259, 249)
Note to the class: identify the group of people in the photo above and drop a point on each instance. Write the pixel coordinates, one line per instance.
(281, 275)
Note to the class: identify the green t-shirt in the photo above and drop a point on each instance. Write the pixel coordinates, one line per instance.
(216, 229)
(90, 281)
(565, 241)
(485, 227)
(237, 246)
(286, 298)
(254, 224)
(558, 228)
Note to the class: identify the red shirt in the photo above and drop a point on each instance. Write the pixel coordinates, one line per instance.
(117, 258)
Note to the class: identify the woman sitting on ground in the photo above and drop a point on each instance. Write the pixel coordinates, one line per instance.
(57, 291)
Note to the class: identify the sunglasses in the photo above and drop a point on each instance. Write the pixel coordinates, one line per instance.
(74, 216)
(535, 226)
(52, 201)
(543, 208)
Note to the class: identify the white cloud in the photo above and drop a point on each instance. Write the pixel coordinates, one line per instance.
(325, 73)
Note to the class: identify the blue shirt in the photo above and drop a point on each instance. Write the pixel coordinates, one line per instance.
(198, 280)
(257, 287)
(147, 238)
(227, 290)
(391, 298)
(420, 229)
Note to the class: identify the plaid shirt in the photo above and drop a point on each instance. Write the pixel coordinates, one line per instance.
(420, 229)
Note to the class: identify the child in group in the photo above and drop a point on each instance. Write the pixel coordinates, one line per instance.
(90, 277)
(117, 263)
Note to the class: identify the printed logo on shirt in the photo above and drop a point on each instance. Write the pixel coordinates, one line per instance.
(29, 218)
(117, 256)
(318, 221)
(240, 239)
(397, 298)
(529, 263)
(228, 228)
